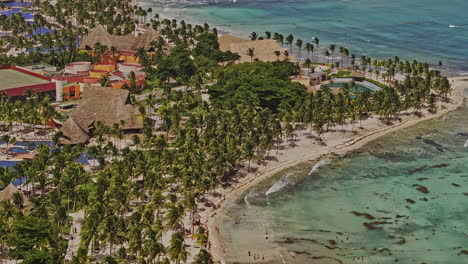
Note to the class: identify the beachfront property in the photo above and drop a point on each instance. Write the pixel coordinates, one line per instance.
(115, 110)
(263, 50)
(309, 77)
(15, 81)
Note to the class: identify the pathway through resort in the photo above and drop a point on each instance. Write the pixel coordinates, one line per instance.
(74, 241)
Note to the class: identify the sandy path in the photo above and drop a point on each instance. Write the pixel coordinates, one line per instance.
(75, 230)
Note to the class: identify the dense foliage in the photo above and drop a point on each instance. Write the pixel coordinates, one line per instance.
(265, 84)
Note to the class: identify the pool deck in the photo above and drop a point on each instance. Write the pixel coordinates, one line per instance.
(363, 83)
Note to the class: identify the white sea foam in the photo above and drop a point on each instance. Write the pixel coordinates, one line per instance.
(246, 198)
(318, 165)
(283, 182)
(466, 144)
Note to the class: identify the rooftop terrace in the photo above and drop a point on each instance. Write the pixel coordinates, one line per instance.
(10, 78)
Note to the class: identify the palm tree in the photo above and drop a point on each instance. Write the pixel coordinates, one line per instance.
(113, 51)
(353, 59)
(290, 41)
(279, 38)
(105, 81)
(310, 48)
(251, 53)
(268, 34)
(332, 49)
(176, 249)
(316, 41)
(342, 51)
(346, 53)
(327, 54)
(299, 46)
(253, 36)
(142, 55)
(277, 54)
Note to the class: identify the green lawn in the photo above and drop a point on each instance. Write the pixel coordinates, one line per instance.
(10, 79)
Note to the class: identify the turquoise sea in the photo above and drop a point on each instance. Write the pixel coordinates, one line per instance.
(426, 30)
(402, 198)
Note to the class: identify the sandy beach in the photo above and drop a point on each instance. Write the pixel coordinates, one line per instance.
(339, 141)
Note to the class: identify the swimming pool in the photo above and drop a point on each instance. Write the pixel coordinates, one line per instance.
(8, 13)
(18, 150)
(360, 87)
(8, 164)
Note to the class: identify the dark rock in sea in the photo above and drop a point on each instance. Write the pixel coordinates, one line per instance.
(421, 179)
(400, 216)
(332, 242)
(401, 241)
(366, 215)
(465, 194)
(302, 253)
(383, 211)
(370, 226)
(463, 252)
(424, 199)
(440, 149)
(410, 201)
(421, 188)
(416, 170)
(381, 222)
(463, 134)
(431, 142)
(456, 185)
(440, 165)
(286, 240)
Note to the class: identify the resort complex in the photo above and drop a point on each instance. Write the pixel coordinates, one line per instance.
(128, 137)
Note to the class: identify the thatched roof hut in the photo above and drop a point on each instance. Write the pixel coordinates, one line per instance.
(100, 35)
(264, 50)
(107, 105)
(7, 193)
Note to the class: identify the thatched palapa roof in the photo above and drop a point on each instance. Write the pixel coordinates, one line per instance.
(107, 105)
(264, 50)
(100, 35)
(7, 193)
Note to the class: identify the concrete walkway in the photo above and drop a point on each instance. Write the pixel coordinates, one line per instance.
(74, 238)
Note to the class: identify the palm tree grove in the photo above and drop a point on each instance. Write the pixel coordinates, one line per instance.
(208, 117)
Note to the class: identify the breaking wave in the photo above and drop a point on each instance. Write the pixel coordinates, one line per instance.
(466, 144)
(318, 165)
(187, 3)
(283, 182)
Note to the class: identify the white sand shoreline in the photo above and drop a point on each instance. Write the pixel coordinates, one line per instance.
(339, 146)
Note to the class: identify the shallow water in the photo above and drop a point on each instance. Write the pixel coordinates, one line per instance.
(416, 29)
(306, 217)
